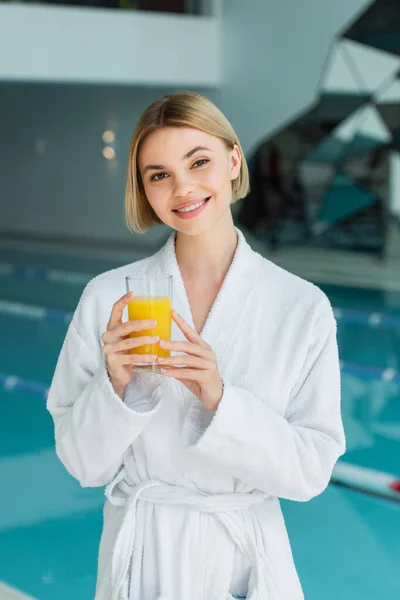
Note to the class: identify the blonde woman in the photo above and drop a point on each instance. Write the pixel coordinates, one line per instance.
(196, 459)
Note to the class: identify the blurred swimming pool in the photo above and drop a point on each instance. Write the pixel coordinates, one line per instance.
(346, 544)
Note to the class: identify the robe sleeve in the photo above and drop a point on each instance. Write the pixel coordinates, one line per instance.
(93, 425)
(290, 456)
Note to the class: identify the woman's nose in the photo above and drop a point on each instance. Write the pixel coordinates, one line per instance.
(183, 186)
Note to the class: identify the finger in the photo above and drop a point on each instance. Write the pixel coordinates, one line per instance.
(120, 360)
(118, 309)
(190, 333)
(132, 326)
(139, 358)
(137, 325)
(125, 345)
(190, 361)
(188, 347)
(191, 374)
(109, 337)
(122, 331)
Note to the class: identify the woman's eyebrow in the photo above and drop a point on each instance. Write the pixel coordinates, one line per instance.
(153, 168)
(185, 156)
(196, 149)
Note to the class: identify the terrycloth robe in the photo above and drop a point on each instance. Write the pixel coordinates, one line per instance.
(192, 507)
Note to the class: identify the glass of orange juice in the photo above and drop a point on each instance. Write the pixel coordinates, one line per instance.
(152, 300)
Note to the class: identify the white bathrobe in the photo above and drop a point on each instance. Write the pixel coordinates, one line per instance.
(192, 509)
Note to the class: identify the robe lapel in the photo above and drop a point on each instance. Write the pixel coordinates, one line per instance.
(225, 313)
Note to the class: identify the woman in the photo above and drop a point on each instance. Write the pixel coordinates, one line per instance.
(197, 458)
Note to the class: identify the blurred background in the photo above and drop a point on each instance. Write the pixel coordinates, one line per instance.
(312, 88)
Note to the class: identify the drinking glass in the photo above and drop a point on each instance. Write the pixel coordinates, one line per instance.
(152, 300)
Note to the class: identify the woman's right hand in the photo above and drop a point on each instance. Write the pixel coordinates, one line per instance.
(117, 345)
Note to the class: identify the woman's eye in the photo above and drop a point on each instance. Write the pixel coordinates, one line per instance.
(157, 177)
(203, 161)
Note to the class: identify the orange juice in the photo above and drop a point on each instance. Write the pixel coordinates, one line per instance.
(157, 308)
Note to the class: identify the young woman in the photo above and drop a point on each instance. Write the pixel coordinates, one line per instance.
(197, 458)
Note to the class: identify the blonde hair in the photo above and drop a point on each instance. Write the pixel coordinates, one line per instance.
(183, 109)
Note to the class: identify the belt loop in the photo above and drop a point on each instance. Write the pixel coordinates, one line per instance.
(109, 489)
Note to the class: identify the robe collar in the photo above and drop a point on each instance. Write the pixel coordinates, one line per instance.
(228, 307)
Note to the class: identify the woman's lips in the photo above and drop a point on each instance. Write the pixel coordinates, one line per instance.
(193, 213)
(191, 203)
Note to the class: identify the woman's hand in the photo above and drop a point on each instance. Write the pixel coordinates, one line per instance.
(201, 375)
(118, 345)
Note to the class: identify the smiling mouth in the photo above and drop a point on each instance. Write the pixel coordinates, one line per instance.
(194, 206)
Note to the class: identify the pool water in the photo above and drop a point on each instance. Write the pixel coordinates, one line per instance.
(346, 544)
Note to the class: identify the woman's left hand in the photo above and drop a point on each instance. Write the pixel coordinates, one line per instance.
(201, 376)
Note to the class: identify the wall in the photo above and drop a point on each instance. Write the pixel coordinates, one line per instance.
(67, 44)
(394, 185)
(274, 52)
(54, 178)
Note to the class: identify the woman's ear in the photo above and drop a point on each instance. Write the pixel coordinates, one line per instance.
(236, 161)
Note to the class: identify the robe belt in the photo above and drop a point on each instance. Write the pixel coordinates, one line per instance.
(158, 492)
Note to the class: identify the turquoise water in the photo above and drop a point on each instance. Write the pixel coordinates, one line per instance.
(346, 545)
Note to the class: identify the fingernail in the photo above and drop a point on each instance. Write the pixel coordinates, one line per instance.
(154, 323)
(162, 343)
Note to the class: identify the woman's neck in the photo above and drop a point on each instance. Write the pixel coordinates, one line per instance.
(207, 256)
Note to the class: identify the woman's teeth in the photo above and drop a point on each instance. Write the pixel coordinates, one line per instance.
(192, 207)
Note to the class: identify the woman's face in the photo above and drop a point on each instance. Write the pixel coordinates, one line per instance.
(184, 166)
